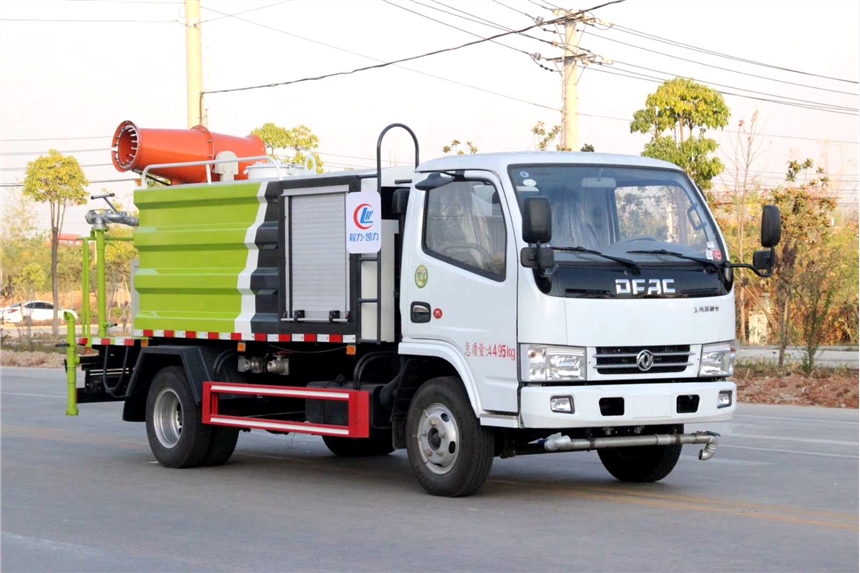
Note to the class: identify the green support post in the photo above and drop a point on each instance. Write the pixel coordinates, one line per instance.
(85, 298)
(102, 286)
(72, 362)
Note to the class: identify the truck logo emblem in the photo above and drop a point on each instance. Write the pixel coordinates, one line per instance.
(421, 276)
(642, 286)
(363, 216)
(645, 360)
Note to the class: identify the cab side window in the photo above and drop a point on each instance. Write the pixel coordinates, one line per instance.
(464, 226)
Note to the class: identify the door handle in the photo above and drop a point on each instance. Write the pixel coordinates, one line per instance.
(419, 312)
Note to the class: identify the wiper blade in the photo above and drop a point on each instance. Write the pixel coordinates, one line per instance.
(626, 262)
(709, 262)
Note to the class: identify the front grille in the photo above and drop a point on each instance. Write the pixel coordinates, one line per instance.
(623, 359)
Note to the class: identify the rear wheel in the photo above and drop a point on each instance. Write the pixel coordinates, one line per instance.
(640, 463)
(174, 423)
(449, 451)
(378, 444)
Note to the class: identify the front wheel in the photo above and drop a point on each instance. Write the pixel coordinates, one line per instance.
(378, 444)
(449, 451)
(640, 463)
(174, 423)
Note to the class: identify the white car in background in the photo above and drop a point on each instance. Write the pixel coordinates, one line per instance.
(36, 310)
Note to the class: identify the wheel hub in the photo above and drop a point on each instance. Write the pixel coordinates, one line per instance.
(167, 418)
(438, 438)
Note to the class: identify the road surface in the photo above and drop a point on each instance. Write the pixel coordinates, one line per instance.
(84, 494)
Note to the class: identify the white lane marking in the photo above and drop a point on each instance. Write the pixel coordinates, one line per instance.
(813, 420)
(790, 439)
(41, 544)
(34, 395)
(781, 451)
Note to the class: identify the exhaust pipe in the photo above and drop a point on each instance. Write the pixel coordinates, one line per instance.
(566, 444)
(134, 149)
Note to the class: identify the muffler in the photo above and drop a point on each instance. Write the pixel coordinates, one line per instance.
(560, 443)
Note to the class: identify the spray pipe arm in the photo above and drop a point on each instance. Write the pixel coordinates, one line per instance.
(99, 218)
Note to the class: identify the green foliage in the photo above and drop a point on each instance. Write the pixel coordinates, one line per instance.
(59, 181)
(31, 280)
(455, 147)
(686, 110)
(300, 140)
(587, 148)
(544, 137)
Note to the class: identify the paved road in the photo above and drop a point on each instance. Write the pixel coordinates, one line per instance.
(84, 494)
(827, 357)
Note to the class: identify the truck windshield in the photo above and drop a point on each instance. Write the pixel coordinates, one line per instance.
(621, 210)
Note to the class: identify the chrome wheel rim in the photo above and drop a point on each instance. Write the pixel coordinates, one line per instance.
(167, 418)
(438, 439)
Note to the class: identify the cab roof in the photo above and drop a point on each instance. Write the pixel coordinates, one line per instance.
(499, 162)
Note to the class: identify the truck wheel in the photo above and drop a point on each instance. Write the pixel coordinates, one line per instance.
(174, 423)
(640, 463)
(449, 451)
(221, 447)
(378, 444)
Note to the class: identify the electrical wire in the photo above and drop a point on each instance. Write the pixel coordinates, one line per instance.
(840, 107)
(223, 15)
(758, 76)
(529, 16)
(65, 20)
(398, 61)
(656, 38)
(451, 25)
(24, 168)
(58, 138)
(645, 77)
(478, 19)
(59, 151)
(91, 182)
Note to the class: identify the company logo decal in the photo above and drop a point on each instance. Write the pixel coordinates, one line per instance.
(642, 286)
(363, 216)
(645, 360)
(421, 276)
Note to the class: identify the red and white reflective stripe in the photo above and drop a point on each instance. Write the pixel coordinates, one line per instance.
(240, 336)
(107, 341)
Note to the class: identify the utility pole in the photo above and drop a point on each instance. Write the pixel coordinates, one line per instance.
(194, 63)
(573, 56)
(570, 97)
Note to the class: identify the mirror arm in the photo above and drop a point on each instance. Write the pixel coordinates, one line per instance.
(762, 274)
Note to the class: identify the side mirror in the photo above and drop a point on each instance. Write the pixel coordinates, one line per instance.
(771, 226)
(537, 220)
(399, 201)
(763, 261)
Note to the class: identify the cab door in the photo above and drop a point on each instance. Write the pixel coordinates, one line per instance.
(459, 283)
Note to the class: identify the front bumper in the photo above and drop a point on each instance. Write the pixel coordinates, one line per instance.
(644, 404)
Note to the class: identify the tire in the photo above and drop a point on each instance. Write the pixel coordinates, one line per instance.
(378, 444)
(221, 447)
(640, 464)
(174, 423)
(461, 454)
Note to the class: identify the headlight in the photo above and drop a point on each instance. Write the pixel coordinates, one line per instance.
(718, 359)
(552, 363)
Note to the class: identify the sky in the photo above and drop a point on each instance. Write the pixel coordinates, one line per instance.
(71, 71)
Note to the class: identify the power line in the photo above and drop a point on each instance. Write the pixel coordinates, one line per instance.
(24, 168)
(223, 15)
(479, 20)
(66, 21)
(719, 67)
(401, 60)
(58, 151)
(449, 80)
(656, 38)
(644, 77)
(844, 108)
(59, 138)
(514, 9)
(452, 26)
(91, 182)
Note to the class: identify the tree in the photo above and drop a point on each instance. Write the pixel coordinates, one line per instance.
(300, 140)
(455, 147)
(544, 138)
(59, 181)
(686, 110)
(29, 281)
(20, 240)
